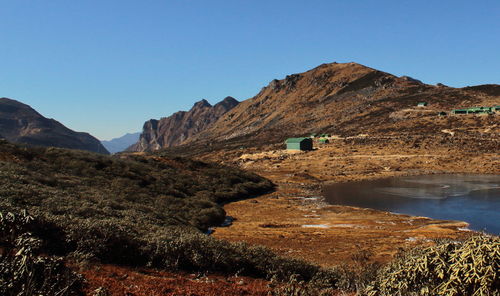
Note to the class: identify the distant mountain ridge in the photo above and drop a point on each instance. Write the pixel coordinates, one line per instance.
(180, 126)
(19, 123)
(121, 143)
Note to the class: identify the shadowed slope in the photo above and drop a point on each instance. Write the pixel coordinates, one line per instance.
(19, 123)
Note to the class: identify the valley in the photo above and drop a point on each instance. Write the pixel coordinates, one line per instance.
(246, 148)
(295, 221)
(147, 221)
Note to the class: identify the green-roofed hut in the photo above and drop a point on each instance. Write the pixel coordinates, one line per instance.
(459, 111)
(303, 144)
(323, 141)
(474, 110)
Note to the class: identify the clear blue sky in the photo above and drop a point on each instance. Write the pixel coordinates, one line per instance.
(105, 67)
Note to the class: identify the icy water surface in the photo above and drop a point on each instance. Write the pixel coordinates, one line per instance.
(471, 198)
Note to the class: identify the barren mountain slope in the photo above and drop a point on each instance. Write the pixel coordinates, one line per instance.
(348, 99)
(175, 129)
(19, 123)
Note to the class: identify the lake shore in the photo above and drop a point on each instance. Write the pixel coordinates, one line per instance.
(296, 222)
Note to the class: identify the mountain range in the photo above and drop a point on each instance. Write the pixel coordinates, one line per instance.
(337, 98)
(121, 143)
(19, 123)
(346, 99)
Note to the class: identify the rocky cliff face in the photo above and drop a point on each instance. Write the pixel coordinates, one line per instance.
(19, 123)
(180, 126)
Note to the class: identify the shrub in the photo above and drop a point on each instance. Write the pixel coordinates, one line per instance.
(146, 190)
(138, 211)
(464, 268)
(23, 271)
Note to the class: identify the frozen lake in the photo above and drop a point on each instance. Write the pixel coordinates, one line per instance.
(471, 198)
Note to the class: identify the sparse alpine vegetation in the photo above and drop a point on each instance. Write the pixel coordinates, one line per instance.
(150, 191)
(136, 211)
(59, 206)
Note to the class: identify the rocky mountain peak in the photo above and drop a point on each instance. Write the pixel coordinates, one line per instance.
(410, 79)
(228, 103)
(202, 104)
(180, 126)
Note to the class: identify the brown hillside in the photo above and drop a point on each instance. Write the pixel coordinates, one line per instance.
(349, 99)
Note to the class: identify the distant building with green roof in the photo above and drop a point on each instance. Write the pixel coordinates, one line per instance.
(302, 144)
(474, 110)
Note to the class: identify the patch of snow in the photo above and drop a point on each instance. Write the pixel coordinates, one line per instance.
(383, 222)
(344, 225)
(315, 226)
(312, 216)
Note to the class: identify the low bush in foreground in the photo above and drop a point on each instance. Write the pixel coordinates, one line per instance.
(143, 190)
(134, 210)
(464, 268)
(152, 211)
(23, 270)
(176, 248)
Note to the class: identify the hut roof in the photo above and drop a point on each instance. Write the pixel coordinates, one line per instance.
(296, 140)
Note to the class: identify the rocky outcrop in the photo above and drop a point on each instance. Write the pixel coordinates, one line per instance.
(19, 123)
(180, 126)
